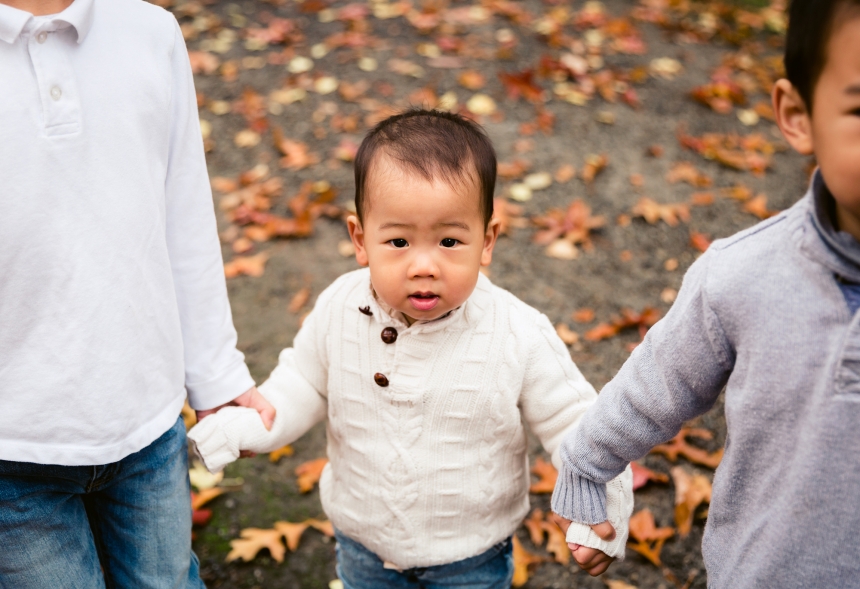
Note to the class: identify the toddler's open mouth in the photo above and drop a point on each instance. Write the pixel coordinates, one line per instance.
(423, 301)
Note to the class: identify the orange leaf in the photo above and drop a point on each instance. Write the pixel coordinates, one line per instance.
(574, 224)
(299, 299)
(584, 315)
(534, 524)
(758, 207)
(309, 474)
(276, 455)
(472, 80)
(648, 537)
(200, 499)
(252, 541)
(678, 446)
(601, 332)
(700, 241)
(690, 492)
(547, 474)
(652, 211)
(556, 543)
(292, 533)
(324, 527)
(520, 84)
(508, 214)
(247, 265)
(594, 164)
(523, 561)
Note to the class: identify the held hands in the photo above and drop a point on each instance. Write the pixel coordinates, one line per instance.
(591, 560)
(252, 399)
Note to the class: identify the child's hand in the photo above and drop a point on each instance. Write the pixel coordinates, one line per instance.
(591, 560)
(253, 400)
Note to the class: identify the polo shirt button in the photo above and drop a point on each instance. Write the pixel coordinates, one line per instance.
(56, 93)
(41, 37)
(380, 379)
(389, 335)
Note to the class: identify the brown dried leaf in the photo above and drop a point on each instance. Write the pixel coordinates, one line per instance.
(246, 265)
(690, 492)
(564, 173)
(568, 336)
(508, 214)
(584, 315)
(687, 172)
(648, 537)
(523, 562)
(292, 533)
(594, 164)
(547, 475)
(642, 476)
(678, 446)
(534, 524)
(574, 224)
(299, 299)
(758, 206)
(472, 80)
(653, 211)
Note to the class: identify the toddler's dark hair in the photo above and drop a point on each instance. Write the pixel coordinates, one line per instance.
(810, 25)
(433, 144)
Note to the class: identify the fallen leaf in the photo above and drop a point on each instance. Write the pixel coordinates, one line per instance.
(508, 215)
(246, 265)
(562, 249)
(292, 533)
(512, 170)
(534, 524)
(678, 446)
(252, 541)
(653, 211)
(200, 499)
(556, 544)
(700, 241)
(547, 475)
(568, 336)
(203, 62)
(523, 562)
(627, 320)
(481, 104)
(615, 584)
(574, 225)
(594, 164)
(642, 476)
(309, 473)
(690, 492)
(202, 479)
(564, 173)
(687, 172)
(276, 455)
(649, 539)
(299, 299)
(665, 67)
(758, 206)
(189, 416)
(584, 315)
(324, 527)
(521, 84)
(472, 80)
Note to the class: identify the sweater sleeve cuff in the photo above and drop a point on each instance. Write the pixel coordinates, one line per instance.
(211, 445)
(222, 389)
(579, 499)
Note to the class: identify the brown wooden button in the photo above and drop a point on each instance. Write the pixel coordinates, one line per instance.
(380, 379)
(389, 335)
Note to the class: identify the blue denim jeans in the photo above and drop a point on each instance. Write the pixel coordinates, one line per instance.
(359, 568)
(126, 524)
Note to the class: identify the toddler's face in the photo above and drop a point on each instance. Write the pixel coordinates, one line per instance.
(836, 117)
(424, 241)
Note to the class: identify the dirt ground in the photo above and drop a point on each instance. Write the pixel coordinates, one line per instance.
(626, 269)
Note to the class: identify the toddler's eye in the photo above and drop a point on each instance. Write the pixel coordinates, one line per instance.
(449, 242)
(398, 243)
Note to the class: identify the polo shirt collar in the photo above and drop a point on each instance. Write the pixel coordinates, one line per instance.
(79, 15)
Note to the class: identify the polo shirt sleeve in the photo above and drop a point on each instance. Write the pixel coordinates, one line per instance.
(215, 371)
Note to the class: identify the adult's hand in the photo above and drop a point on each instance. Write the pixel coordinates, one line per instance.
(591, 560)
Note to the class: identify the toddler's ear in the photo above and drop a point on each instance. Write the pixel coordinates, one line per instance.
(490, 237)
(792, 116)
(356, 234)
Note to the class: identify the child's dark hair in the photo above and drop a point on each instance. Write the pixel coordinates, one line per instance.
(433, 144)
(810, 25)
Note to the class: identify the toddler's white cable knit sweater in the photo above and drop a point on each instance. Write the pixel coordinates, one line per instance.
(426, 424)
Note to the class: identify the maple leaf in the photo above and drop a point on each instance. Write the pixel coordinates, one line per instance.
(547, 475)
(653, 211)
(573, 224)
(255, 539)
(678, 446)
(690, 492)
(649, 539)
(642, 476)
(523, 562)
(246, 265)
(521, 84)
(276, 455)
(309, 473)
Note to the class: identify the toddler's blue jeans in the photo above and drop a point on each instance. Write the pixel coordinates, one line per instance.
(359, 568)
(124, 525)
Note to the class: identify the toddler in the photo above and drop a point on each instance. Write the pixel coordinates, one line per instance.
(770, 314)
(426, 375)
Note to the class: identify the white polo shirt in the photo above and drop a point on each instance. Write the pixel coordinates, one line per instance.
(112, 295)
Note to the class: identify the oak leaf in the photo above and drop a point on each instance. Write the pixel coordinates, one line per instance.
(690, 492)
(292, 533)
(255, 539)
(678, 446)
(547, 475)
(309, 473)
(523, 562)
(647, 538)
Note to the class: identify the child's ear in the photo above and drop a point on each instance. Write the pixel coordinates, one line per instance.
(490, 237)
(356, 234)
(792, 116)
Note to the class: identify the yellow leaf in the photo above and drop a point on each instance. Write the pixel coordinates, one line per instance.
(309, 473)
(280, 453)
(523, 560)
(292, 532)
(202, 479)
(253, 540)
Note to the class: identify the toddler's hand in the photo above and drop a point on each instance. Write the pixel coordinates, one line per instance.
(252, 399)
(591, 560)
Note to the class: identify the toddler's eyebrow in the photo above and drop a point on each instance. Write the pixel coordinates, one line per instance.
(410, 226)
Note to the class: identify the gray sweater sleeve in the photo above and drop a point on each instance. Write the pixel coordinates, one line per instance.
(675, 374)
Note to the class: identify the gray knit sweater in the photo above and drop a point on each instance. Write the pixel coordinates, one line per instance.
(762, 314)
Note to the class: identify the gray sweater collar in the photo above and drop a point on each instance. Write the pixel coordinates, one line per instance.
(837, 250)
